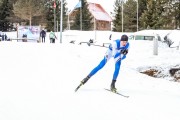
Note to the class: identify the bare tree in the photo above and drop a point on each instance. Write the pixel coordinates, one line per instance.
(27, 9)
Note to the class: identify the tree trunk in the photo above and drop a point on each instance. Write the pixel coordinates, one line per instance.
(30, 21)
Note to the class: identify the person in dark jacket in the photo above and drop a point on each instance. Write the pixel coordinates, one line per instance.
(43, 35)
(4, 37)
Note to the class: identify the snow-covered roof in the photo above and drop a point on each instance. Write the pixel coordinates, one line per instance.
(98, 12)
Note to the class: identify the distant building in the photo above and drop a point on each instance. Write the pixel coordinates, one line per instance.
(102, 18)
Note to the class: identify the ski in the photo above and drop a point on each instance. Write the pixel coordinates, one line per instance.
(116, 93)
(78, 86)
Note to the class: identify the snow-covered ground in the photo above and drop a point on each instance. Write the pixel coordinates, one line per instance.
(37, 82)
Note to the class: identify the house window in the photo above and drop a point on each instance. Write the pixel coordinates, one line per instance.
(102, 25)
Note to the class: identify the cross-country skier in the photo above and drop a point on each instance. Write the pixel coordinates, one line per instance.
(118, 49)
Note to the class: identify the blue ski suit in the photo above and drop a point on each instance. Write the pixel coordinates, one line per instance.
(115, 50)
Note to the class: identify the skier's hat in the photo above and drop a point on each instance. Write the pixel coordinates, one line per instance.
(124, 38)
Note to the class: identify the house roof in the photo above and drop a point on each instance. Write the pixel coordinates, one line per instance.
(98, 12)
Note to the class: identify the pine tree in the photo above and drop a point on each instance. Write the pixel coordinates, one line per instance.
(117, 21)
(50, 14)
(176, 13)
(76, 24)
(130, 16)
(1, 2)
(5, 10)
(87, 18)
(142, 6)
(153, 17)
(160, 14)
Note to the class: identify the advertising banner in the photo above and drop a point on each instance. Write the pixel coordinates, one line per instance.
(32, 33)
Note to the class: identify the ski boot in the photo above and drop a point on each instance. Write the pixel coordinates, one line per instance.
(82, 82)
(85, 80)
(112, 88)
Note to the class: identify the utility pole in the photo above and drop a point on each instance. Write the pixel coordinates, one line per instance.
(94, 24)
(81, 15)
(155, 45)
(61, 18)
(122, 15)
(137, 14)
(54, 6)
(68, 24)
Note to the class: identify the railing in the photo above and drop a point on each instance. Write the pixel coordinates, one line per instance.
(106, 45)
(23, 39)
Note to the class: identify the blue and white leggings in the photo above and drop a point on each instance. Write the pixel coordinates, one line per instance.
(107, 56)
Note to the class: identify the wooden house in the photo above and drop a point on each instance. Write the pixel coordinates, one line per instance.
(102, 20)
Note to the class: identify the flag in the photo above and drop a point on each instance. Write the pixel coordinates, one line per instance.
(54, 4)
(78, 5)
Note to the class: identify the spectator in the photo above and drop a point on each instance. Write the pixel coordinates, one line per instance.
(4, 37)
(24, 38)
(43, 35)
(110, 36)
(52, 37)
